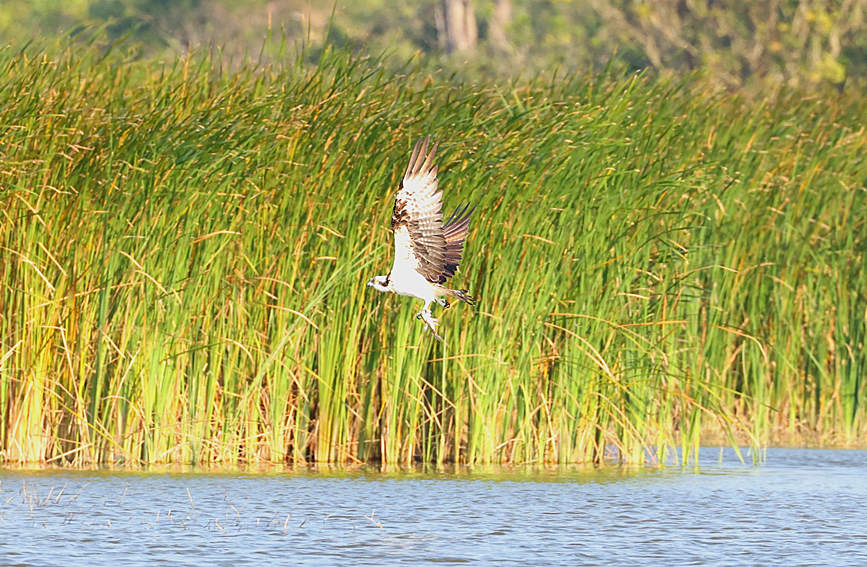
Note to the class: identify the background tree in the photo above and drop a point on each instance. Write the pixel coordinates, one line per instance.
(737, 42)
(456, 25)
(789, 40)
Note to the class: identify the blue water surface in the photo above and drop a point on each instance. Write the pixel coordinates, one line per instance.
(799, 507)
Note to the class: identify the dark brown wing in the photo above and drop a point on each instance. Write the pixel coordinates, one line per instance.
(455, 232)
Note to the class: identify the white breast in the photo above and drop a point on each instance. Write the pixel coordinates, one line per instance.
(405, 279)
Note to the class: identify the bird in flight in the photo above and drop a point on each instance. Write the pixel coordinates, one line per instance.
(426, 250)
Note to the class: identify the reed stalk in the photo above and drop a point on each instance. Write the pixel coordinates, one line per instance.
(183, 251)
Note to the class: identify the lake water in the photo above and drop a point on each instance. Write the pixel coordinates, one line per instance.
(800, 507)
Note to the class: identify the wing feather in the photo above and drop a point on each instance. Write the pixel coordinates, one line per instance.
(434, 248)
(455, 233)
(418, 207)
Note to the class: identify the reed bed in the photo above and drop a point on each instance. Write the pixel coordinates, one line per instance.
(184, 248)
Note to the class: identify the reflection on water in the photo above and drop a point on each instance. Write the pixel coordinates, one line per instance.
(799, 507)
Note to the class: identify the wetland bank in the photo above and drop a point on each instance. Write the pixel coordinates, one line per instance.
(184, 248)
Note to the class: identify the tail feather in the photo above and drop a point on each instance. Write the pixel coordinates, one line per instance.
(463, 296)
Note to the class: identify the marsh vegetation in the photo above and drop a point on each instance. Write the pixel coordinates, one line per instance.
(184, 248)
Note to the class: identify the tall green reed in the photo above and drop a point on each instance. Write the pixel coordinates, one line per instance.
(184, 251)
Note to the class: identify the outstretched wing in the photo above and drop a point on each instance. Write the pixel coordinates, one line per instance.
(419, 237)
(455, 232)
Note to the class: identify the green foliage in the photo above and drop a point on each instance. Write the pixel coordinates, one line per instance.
(792, 41)
(183, 253)
(740, 44)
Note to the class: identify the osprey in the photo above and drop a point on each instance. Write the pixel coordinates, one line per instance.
(426, 251)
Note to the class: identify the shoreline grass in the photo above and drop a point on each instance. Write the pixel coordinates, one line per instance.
(183, 253)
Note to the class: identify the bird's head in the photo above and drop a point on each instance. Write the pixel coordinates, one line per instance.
(379, 283)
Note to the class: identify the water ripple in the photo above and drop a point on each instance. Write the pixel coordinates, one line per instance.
(800, 507)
